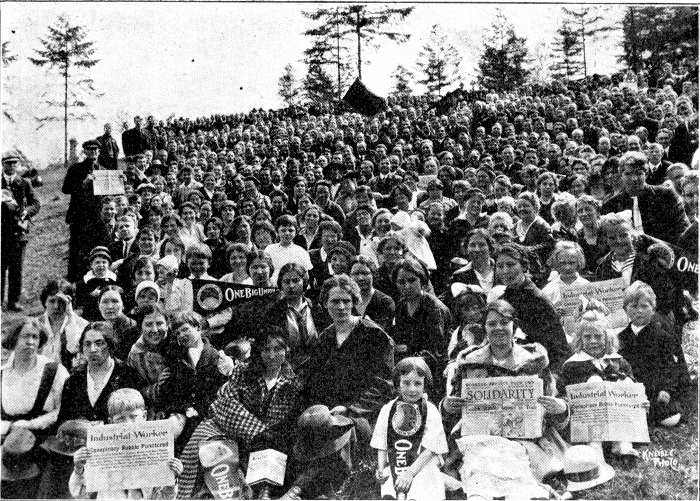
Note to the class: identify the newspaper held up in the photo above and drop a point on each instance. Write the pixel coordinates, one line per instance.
(608, 411)
(609, 292)
(129, 456)
(503, 406)
(107, 182)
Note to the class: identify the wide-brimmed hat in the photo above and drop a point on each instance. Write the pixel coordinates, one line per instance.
(71, 436)
(584, 468)
(320, 433)
(17, 459)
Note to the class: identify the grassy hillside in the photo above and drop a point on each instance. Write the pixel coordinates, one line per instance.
(46, 257)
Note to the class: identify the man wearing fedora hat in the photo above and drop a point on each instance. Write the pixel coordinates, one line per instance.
(83, 209)
(19, 205)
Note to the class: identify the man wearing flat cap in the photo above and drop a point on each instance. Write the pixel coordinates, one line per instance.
(19, 205)
(83, 209)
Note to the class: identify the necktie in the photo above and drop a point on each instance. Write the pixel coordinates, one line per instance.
(636, 215)
(301, 326)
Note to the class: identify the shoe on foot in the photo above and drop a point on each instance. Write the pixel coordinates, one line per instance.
(292, 493)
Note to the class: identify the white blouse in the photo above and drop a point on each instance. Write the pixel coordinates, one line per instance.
(19, 391)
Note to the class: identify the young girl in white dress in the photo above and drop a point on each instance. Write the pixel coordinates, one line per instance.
(409, 437)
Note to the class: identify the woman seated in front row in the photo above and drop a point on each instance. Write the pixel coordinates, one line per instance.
(257, 406)
(501, 356)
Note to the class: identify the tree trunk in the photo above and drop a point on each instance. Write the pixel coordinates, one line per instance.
(634, 57)
(65, 118)
(337, 55)
(359, 46)
(583, 46)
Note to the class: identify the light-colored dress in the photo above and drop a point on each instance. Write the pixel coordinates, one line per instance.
(428, 483)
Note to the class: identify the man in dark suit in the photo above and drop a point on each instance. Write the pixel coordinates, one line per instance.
(657, 166)
(134, 140)
(656, 210)
(508, 165)
(19, 205)
(109, 149)
(83, 209)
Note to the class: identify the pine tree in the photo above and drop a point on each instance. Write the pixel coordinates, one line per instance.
(501, 66)
(287, 83)
(318, 86)
(66, 50)
(402, 82)
(567, 50)
(358, 21)
(590, 25)
(7, 59)
(329, 46)
(654, 35)
(439, 61)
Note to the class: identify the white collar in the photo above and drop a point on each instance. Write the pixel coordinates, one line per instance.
(110, 275)
(637, 328)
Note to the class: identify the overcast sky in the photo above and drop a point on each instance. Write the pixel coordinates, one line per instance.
(204, 58)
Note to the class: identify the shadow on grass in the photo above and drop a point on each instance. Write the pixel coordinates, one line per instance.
(643, 480)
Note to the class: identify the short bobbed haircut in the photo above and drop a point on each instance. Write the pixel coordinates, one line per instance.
(516, 252)
(260, 256)
(293, 268)
(391, 237)
(594, 320)
(266, 334)
(125, 400)
(103, 327)
(54, 287)
(567, 246)
(532, 199)
(613, 223)
(411, 266)
(412, 364)
(639, 291)
(11, 340)
(364, 261)
(589, 200)
(236, 247)
(191, 318)
(482, 233)
(151, 309)
(198, 250)
(343, 282)
(501, 307)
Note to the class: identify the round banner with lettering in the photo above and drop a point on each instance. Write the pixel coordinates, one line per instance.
(210, 296)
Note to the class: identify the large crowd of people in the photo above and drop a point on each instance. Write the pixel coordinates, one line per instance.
(409, 250)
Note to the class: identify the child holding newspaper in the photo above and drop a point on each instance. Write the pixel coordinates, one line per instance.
(596, 359)
(125, 405)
